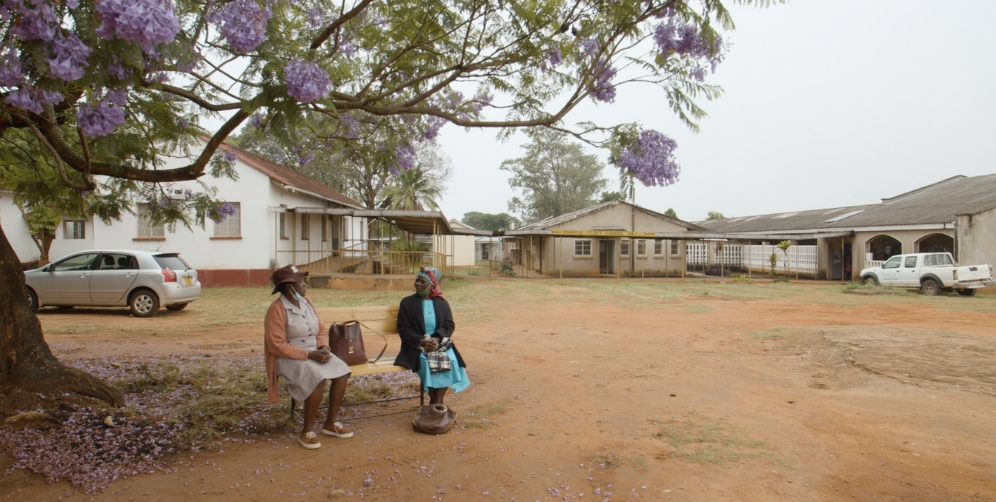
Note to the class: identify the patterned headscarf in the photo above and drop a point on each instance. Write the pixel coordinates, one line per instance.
(434, 276)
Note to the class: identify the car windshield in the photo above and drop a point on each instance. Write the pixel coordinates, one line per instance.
(171, 262)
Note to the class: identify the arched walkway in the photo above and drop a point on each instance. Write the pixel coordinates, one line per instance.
(935, 243)
(883, 247)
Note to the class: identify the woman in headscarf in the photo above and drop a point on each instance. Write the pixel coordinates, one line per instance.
(296, 347)
(425, 324)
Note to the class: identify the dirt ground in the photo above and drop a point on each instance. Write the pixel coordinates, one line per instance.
(618, 390)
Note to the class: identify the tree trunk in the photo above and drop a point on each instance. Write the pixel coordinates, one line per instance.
(45, 237)
(26, 363)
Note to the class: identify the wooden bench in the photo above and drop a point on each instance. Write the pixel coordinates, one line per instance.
(383, 320)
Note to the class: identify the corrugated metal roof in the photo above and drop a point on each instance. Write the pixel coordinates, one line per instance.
(937, 203)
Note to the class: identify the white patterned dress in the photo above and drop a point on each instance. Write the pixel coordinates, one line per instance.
(302, 376)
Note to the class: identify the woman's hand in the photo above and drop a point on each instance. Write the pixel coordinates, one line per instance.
(430, 344)
(322, 355)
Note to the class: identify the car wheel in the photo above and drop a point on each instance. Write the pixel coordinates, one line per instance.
(177, 306)
(32, 300)
(966, 292)
(144, 303)
(930, 288)
(869, 280)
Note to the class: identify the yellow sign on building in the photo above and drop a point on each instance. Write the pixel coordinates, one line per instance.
(601, 233)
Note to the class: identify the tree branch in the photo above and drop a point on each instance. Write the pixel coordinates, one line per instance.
(197, 100)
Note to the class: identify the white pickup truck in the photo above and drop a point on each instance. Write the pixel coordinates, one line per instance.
(931, 273)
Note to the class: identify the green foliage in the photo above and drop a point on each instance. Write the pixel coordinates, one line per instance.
(707, 441)
(670, 213)
(419, 188)
(608, 196)
(489, 221)
(715, 215)
(412, 252)
(555, 177)
(773, 260)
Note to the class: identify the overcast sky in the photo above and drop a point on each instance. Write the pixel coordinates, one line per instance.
(827, 103)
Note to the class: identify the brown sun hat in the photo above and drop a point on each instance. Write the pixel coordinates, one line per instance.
(284, 275)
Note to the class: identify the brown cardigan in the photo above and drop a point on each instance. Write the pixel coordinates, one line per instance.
(275, 345)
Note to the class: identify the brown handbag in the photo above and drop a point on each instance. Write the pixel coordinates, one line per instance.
(346, 342)
(434, 419)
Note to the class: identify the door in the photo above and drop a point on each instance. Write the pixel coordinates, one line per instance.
(606, 257)
(112, 278)
(889, 275)
(68, 282)
(909, 274)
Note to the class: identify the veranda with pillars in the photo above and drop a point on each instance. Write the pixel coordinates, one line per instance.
(333, 241)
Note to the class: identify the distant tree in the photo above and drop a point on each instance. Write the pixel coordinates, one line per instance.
(715, 215)
(607, 196)
(420, 187)
(670, 213)
(488, 221)
(555, 177)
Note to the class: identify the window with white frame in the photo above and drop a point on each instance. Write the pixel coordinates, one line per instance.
(283, 225)
(305, 227)
(641, 247)
(325, 228)
(624, 247)
(74, 229)
(582, 247)
(658, 246)
(231, 225)
(674, 247)
(145, 226)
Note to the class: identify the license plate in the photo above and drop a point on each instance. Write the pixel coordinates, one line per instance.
(188, 281)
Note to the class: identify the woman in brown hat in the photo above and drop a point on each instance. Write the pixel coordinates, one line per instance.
(297, 349)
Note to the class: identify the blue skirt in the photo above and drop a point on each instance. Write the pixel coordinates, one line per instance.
(456, 377)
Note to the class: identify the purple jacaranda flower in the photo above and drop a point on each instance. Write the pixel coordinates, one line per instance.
(433, 125)
(243, 23)
(651, 159)
(551, 60)
(182, 123)
(149, 22)
(37, 22)
(118, 70)
(10, 68)
(404, 157)
(590, 47)
(351, 125)
(306, 81)
(602, 88)
(69, 63)
(306, 159)
(31, 99)
(230, 156)
(673, 37)
(103, 119)
(256, 121)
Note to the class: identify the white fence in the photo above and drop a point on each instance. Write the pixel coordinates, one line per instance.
(801, 260)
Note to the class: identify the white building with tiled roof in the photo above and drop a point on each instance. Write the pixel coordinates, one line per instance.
(277, 222)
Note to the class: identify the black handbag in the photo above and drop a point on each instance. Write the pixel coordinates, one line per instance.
(434, 419)
(346, 342)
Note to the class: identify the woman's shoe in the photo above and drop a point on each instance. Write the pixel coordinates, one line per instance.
(338, 431)
(310, 440)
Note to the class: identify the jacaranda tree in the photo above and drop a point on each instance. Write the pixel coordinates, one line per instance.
(107, 88)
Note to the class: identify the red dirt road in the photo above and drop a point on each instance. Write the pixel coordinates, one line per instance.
(808, 395)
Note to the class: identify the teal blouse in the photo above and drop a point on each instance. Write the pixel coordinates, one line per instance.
(429, 312)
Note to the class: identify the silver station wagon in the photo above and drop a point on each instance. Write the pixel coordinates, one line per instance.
(144, 281)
